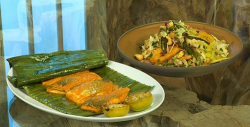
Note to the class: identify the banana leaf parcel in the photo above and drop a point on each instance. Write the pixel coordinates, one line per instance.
(61, 103)
(31, 69)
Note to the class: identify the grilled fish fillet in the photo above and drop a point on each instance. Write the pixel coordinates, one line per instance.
(54, 80)
(63, 84)
(87, 89)
(81, 93)
(95, 103)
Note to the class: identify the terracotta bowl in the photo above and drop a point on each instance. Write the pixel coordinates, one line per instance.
(128, 45)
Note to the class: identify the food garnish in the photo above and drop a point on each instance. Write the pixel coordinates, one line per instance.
(179, 45)
(115, 110)
(139, 101)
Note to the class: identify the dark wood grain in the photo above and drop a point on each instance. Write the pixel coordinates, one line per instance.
(3, 95)
(96, 24)
(181, 108)
(59, 25)
(1, 36)
(30, 27)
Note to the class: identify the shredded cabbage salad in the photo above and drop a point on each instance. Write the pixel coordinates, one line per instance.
(179, 45)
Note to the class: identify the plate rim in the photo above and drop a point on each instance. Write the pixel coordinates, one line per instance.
(88, 118)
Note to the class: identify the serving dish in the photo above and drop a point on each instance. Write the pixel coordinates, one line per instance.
(157, 91)
(128, 45)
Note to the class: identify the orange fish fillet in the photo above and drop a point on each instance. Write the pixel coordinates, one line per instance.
(88, 89)
(81, 93)
(67, 82)
(95, 103)
(54, 80)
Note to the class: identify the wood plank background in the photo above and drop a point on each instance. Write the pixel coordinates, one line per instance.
(3, 99)
(227, 86)
(107, 20)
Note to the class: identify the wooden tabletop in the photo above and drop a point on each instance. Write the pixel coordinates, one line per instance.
(181, 107)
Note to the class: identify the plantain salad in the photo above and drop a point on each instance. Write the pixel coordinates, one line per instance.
(179, 45)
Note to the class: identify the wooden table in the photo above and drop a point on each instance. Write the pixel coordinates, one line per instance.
(181, 107)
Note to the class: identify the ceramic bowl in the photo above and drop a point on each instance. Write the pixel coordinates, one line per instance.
(128, 45)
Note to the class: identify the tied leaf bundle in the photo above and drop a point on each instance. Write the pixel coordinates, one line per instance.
(61, 103)
(31, 69)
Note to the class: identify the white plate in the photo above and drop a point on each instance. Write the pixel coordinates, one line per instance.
(157, 91)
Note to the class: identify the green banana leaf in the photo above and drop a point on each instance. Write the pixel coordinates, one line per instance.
(31, 69)
(62, 104)
(121, 80)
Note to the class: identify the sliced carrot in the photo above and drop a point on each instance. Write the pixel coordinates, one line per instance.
(158, 57)
(174, 51)
(205, 64)
(186, 57)
(205, 36)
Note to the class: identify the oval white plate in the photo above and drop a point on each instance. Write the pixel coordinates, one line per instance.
(157, 91)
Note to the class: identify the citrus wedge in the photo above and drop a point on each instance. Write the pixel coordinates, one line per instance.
(115, 110)
(139, 101)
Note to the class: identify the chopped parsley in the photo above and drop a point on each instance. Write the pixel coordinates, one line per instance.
(221, 49)
(155, 44)
(150, 55)
(171, 28)
(178, 40)
(141, 45)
